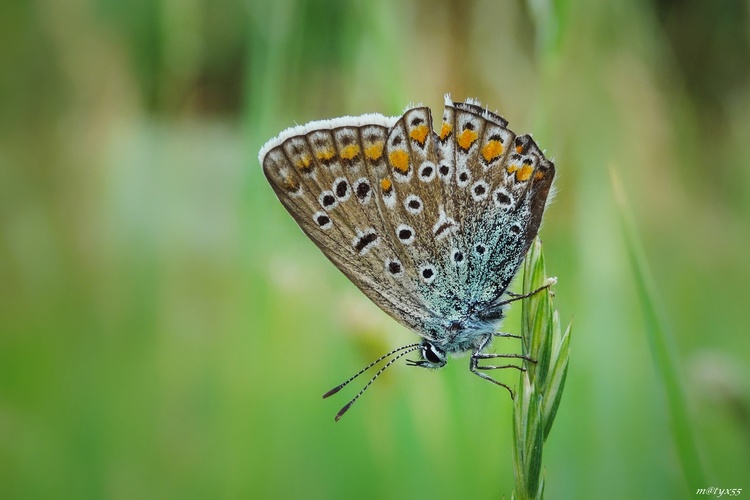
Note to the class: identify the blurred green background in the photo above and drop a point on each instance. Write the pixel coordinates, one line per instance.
(166, 330)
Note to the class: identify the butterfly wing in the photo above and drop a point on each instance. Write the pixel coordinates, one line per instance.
(480, 192)
(430, 226)
(499, 186)
(332, 176)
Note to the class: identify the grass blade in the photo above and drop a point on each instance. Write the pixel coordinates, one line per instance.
(661, 344)
(540, 386)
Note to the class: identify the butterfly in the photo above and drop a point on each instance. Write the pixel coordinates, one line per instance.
(430, 225)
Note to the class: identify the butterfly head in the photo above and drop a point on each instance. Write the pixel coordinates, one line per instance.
(432, 356)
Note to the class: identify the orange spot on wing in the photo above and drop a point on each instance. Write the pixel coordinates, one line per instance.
(524, 173)
(466, 139)
(374, 152)
(445, 130)
(538, 175)
(400, 160)
(291, 183)
(349, 152)
(511, 168)
(325, 154)
(492, 150)
(304, 163)
(519, 149)
(385, 184)
(419, 134)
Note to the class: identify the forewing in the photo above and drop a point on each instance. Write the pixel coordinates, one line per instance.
(333, 178)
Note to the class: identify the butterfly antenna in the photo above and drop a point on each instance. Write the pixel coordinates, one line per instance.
(348, 405)
(363, 370)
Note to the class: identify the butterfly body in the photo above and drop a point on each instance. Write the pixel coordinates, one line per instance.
(430, 223)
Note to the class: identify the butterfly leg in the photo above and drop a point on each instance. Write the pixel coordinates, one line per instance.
(473, 367)
(496, 311)
(478, 354)
(506, 335)
(514, 296)
(492, 355)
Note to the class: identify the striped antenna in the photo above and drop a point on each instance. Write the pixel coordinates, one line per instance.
(348, 405)
(363, 370)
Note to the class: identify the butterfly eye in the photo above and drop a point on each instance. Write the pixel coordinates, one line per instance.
(430, 356)
(433, 354)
